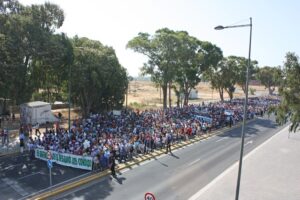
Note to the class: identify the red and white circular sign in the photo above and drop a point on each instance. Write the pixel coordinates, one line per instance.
(149, 196)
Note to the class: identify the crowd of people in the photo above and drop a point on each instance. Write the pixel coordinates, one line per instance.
(107, 136)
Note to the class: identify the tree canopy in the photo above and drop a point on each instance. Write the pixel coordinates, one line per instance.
(175, 56)
(35, 61)
(289, 89)
(269, 77)
(98, 80)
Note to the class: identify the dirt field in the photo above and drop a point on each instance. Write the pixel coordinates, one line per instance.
(145, 94)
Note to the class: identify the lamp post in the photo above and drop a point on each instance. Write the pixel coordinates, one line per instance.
(69, 99)
(245, 104)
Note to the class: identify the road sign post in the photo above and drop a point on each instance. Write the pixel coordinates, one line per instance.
(50, 165)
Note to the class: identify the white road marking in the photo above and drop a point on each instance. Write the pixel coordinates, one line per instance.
(15, 186)
(29, 175)
(11, 166)
(195, 161)
(224, 138)
(249, 142)
(209, 185)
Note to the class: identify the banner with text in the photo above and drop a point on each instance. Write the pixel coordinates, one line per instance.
(70, 160)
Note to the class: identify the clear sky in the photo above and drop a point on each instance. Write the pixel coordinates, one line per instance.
(276, 28)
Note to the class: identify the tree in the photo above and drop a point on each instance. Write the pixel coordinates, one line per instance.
(160, 50)
(175, 56)
(241, 64)
(224, 77)
(269, 77)
(26, 30)
(289, 108)
(99, 82)
(50, 70)
(193, 57)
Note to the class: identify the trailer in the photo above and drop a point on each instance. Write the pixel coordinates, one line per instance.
(36, 112)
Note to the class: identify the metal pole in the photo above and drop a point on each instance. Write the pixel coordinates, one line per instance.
(127, 97)
(50, 176)
(69, 117)
(244, 119)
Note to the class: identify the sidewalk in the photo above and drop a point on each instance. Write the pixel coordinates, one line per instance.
(270, 172)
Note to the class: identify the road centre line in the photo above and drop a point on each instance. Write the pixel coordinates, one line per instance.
(194, 162)
(224, 138)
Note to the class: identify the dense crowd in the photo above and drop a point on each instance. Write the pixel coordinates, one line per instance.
(131, 133)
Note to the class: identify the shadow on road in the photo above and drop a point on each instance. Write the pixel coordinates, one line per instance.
(252, 128)
(173, 155)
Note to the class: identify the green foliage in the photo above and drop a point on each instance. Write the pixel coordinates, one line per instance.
(139, 106)
(160, 50)
(224, 76)
(98, 81)
(252, 91)
(290, 92)
(270, 77)
(193, 58)
(26, 38)
(240, 64)
(175, 56)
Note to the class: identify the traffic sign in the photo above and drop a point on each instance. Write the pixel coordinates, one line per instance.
(50, 164)
(149, 196)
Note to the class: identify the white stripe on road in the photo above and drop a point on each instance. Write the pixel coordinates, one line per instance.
(15, 186)
(30, 175)
(195, 161)
(249, 142)
(209, 185)
(224, 138)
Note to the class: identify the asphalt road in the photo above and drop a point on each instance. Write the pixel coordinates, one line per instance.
(21, 176)
(182, 174)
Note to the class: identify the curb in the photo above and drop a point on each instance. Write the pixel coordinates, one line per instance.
(129, 164)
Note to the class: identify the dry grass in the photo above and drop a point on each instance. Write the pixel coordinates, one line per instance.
(145, 94)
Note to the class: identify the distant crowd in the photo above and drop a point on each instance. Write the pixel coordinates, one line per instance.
(130, 133)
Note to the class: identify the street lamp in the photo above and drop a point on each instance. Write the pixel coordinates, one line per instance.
(69, 99)
(245, 104)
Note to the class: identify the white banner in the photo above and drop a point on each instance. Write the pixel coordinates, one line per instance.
(70, 160)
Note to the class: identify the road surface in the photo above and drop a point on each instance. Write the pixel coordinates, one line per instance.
(182, 174)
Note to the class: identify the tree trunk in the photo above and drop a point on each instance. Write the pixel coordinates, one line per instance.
(178, 100)
(186, 95)
(244, 89)
(170, 94)
(230, 95)
(271, 90)
(165, 91)
(221, 93)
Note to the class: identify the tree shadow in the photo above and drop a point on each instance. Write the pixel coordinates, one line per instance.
(252, 128)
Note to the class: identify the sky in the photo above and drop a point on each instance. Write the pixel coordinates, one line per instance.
(276, 29)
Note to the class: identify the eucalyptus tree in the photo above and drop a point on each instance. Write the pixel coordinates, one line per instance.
(160, 50)
(241, 64)
(270, 77)
(223, 77)
(289, 90)
(24, 33)
(49, 71)
(98, 80)
(194, 57)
